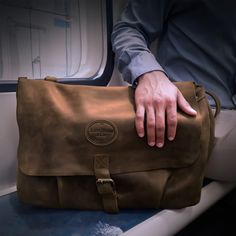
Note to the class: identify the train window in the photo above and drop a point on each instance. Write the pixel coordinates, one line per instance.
(63, 38)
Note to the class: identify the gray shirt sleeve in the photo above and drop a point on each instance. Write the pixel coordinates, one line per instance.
(141, 22)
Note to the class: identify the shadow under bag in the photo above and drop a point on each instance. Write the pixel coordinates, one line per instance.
(78, 148)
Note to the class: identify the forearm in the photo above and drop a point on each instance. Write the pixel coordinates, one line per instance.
(132, 53)
(138, 27)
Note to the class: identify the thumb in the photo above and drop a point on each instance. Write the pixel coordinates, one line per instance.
(184, 105)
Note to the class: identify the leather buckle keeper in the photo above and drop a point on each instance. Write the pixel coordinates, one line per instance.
(105, 185)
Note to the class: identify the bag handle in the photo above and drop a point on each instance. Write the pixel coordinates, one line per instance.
(50, 78)
(217, 102)
(215, 99)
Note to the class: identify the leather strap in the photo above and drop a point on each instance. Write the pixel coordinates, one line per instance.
(217, 102)
(105, 185)
(214, 97)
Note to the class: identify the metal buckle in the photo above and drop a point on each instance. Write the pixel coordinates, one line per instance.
(106, 186)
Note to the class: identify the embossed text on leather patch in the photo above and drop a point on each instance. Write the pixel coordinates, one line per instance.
(101, 132)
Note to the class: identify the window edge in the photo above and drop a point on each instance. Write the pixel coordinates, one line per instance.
(102, 80)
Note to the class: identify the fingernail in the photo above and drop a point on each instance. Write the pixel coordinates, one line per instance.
(141, 135)
(151, 144)
(160, 145)
(171, 138)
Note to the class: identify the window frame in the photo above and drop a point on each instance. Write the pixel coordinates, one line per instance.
(103, 80)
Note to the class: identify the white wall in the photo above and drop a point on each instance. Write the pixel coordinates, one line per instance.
(8, 142)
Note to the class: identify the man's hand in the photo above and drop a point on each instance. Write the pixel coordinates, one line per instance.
(158, 98)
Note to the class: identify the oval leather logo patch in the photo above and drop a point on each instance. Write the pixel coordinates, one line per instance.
(101, 132)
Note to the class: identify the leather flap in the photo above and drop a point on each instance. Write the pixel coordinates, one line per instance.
(62, 127)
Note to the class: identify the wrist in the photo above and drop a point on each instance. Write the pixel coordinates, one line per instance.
(151, 75)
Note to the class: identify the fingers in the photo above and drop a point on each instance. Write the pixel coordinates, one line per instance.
(139, 120)
(155, 124)
(160, 116)
(166, 118)
(157, 98)
(184, 105)
(151, 124)
(171, 119)
(160, 126)
(158, 119)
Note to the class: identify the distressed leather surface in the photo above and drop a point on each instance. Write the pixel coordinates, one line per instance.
(78, 148)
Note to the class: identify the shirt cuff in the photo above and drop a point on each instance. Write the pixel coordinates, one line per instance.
(140, 64)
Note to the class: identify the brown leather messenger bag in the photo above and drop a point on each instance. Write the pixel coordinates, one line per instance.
(78, 148)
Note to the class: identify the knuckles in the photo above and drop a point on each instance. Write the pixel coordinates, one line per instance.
(160, 129)
(139, 117)
(158, 101)
(151, 124)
